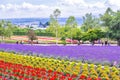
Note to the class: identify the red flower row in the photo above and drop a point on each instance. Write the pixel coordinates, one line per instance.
(20, 72)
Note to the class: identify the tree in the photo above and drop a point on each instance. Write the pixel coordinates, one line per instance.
(77, 35)
(106, 19)
(89, 22)
(99, 33)
(9, 29)
(71, 22)
(52, 27)
(31, 35)
(56, 13)
(63, 39)
(61, 31)
(92, 35)
(5, 29)
(115, 27)
(1, 29)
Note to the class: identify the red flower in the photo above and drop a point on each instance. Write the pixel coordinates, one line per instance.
(74, 76)
(63, 77)
(33, 74)
(4, 79)
(49, 71)
(21, 77)
(98, 79)
(89, 78)
(68, 75)
(69, 78)
(53, 78)
(0, 76)
(82, 77)
(26, 79)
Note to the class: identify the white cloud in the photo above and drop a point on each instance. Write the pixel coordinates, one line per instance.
(25, 5)
(97, 5)
(82, 3)
(79, 8)
(76, 8)
(74, 2)
(24, 10)
(2, 6)
(114, 2)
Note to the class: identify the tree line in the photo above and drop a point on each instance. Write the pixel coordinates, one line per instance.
(93, 28)
(106, 25)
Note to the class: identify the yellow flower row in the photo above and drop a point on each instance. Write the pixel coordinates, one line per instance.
(38, 62)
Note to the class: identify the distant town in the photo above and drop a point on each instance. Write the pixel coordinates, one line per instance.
(34, 25)
(37, 23)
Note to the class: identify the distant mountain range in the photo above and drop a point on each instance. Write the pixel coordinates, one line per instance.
(38, 21)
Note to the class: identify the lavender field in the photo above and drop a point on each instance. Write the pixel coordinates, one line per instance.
(87, 53)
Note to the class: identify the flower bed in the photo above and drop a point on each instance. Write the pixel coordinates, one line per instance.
(20, 72)
(94, 54)
(17, 67)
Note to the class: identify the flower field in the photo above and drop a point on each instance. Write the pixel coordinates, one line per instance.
(41, 39)
(15, 66)
(18, 62)
(87, 53)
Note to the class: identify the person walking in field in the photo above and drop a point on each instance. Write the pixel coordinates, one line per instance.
(17, 42)
(102, 43)
(106, 43)
(21, 42)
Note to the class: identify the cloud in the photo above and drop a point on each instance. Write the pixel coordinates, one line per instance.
(24, 10)
(82, 3)
(2, 7)
(73, 2)
(77, 8)
(26, 6)
(97, 5)
(81, 7)
(114, 2)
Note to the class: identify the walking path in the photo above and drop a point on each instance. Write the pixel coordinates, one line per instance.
(70, 45)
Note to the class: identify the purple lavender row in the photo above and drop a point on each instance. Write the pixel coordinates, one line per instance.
(90, 53)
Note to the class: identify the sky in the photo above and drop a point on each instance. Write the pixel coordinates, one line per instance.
(44, 8)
